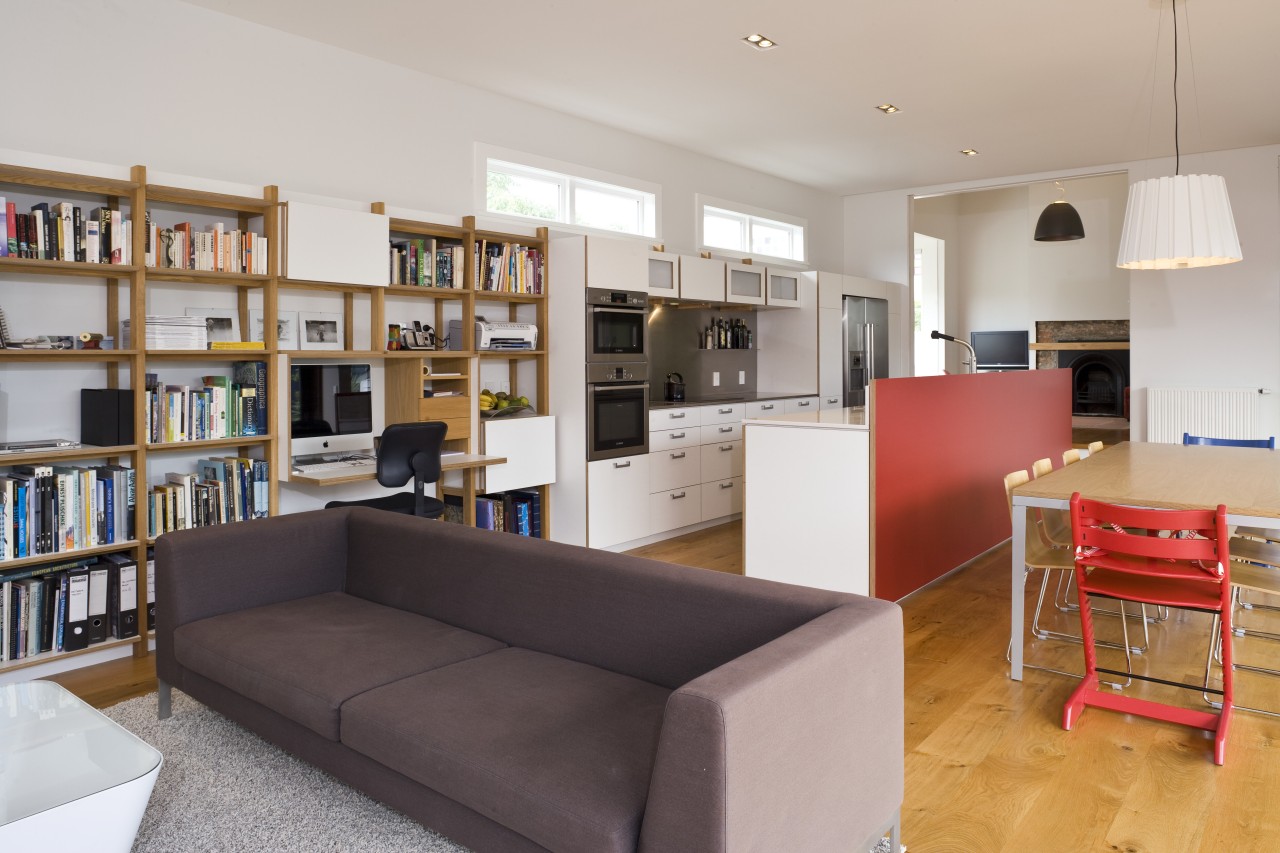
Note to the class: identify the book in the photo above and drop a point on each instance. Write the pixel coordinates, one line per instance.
(237, 345)
(11, 235)
(4, 227)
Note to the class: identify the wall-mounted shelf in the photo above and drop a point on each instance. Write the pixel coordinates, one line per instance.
(1081, 345)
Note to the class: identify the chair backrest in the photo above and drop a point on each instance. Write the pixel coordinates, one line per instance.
(1095, 446)
(1041, 467)
(410, 452)
(1071, 456)
(1098, 525)
(1265, 443)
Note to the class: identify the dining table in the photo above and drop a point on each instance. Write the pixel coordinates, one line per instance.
(1162, 476)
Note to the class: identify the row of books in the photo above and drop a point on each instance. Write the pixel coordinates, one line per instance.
(226, 407)
(421, 262)
(518, 511)
(169, 331)
(49, 509)
(61, 232)
(508, 268)
(215, 248)
(221, 490)
(71, 606)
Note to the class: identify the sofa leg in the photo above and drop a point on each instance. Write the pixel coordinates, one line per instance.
(164, 707)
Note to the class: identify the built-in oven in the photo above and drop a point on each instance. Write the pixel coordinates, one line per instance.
(617, 326)
(617, 410)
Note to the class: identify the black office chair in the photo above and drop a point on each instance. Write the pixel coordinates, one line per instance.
(407, 452)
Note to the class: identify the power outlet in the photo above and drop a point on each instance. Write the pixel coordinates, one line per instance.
(715, 377)
(742, 377)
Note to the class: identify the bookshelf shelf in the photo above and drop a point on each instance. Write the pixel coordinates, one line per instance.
(50, 180)
(76, 268)
(66, 556)
(202, 199)
(511, 353)
(234, 441)
(230, 279)
(333, 286)
(428, 292)
(46, 657)
(428, 229)
(325, 354)
(68, 455)
(207, 355)
(503, 296)
(108, 355)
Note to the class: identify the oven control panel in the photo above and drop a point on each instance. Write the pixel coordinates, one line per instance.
(619, 372)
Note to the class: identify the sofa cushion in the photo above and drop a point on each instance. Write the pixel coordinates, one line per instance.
(304, 658)
(559, 751)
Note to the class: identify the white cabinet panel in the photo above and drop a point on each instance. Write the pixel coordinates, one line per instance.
(721, 498)
(764, 408)
(831, 401)
(783, 288)
(675, 508)
(530, 447)
(721, 460)
(664, 274)
(744, 283)
(701, 278)
(830, 290)
(671, 469)
(800, 404)
(726, 414)
(673, 417)
(830, 352)
(721, 432)
(617, 500)
(669, 439)
(616, 264)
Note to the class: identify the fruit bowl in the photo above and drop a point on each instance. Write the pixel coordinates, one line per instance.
(502, 413)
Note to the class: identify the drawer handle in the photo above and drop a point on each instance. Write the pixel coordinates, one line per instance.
(724, 411)
(676, 497)
(833, 399)
(622, 465)
(767, 408)
(803, 403)
(676, 435)
(726, 485)
(726, 429)
(725, 447)
(677, 455)
(675, 416)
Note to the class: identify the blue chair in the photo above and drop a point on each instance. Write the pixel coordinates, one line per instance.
(1266, 443)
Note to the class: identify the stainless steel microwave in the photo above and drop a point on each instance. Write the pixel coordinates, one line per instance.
(617, 326)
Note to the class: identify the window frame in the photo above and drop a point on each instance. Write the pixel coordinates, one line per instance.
(750, 216)
(570, 178)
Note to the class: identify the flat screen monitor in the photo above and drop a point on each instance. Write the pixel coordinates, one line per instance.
(331, 408)
(1002, 350)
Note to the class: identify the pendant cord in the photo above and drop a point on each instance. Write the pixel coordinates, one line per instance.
(1177, 149)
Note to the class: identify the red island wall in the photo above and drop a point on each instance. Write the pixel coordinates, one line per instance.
(941, 446)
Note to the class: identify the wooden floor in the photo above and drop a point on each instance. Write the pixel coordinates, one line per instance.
(988, 766)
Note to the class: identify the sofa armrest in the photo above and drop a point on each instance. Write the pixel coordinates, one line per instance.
(208, 571)
(797, 745)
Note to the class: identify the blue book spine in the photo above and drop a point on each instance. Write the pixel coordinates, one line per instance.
(60, 612)
(108, 495)
(20, 518)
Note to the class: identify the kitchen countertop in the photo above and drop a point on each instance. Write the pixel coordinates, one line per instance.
(713, 399)
(854, 417)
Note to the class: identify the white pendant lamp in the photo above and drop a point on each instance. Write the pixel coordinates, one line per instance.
(1181, 221)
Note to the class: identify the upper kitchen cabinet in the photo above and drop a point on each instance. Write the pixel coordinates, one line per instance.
(702, 278)
(745, 284)
(664, 275)
(783, 288)
(616, 264)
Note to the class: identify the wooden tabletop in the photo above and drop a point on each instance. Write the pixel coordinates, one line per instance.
(364, 473)
(1170, 476)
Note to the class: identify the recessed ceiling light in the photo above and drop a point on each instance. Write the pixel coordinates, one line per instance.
(887, 109)
(759, 42)
(969, 152)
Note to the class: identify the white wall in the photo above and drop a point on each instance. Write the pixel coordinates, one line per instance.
(1211, 327)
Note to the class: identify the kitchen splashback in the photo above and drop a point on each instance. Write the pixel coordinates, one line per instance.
(676, 338)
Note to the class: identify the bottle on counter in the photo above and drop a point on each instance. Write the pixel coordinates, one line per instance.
(708, 339)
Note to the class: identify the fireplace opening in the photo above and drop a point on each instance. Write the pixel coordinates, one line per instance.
(1098, 381)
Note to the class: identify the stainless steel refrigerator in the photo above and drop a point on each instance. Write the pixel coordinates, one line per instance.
(866, 346)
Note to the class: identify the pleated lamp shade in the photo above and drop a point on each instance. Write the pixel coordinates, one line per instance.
(1059, 221)
(1178, 222)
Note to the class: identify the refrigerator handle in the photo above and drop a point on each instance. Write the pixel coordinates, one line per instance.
(869, 334)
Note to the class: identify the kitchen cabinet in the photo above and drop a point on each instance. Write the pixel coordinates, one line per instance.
(831, 401)
(721, 460)
(800, 404)
(671, 510)
(617, 264)
(670, 417)
(721, 432)
(763, 408)
(744, 284)
(783, 288)
(830, 357)
(671, 469)
(674, 437)
(664, 275)
(617, 500)
(725, 414)
(702, 278)
(722, 498)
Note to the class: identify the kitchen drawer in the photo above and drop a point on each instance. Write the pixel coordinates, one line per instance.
(721, 498)
(800, 404)
(617, 500)
(668, 418)
(764, 408)
(669, 439)
(671, 469)
(727, 413)
(833, 401)
(675, 508)
(721, 460)
(721, 432)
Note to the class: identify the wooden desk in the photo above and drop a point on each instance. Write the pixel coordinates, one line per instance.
(467, 463)
(1163, 476)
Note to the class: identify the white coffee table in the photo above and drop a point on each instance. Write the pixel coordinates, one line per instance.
(70, 778)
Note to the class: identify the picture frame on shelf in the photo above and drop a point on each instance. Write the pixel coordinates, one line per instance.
(222, 324)
(286, 328)
(319, 330)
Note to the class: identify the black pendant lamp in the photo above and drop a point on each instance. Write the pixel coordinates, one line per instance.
(1059, 221)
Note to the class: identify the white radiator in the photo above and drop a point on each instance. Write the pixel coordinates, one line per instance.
(1211, 412)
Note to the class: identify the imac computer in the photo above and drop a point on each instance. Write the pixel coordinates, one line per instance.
(331, 409)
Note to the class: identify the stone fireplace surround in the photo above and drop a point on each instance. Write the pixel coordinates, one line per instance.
(1049, 332)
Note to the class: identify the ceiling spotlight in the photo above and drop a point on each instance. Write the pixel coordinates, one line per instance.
(760, 42)
(887, 109)
(969, 152)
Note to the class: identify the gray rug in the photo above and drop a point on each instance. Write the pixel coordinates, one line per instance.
(225, 789)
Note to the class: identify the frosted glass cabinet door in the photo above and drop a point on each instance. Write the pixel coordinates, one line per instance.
(783, 288)
(744, 284)
(664, 274)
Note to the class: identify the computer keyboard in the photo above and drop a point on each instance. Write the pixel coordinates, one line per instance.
(313, 467)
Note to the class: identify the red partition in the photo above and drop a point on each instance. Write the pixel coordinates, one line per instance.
(942, 445)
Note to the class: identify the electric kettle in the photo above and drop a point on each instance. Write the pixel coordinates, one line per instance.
(673, 389)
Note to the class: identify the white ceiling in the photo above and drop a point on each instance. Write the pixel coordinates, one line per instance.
(1034, 85)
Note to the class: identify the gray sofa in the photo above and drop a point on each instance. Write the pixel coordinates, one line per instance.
(520, 695)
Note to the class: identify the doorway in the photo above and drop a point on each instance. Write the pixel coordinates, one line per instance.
(929, 308)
